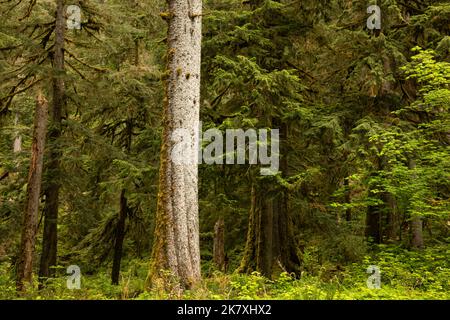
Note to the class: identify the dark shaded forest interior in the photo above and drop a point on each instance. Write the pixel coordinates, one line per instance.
(321, 169)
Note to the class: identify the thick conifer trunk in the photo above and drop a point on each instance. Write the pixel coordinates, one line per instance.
(270, 237)
(176, 245)
(270, 242)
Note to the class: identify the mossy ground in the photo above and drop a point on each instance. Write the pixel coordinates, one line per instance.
(405, 275)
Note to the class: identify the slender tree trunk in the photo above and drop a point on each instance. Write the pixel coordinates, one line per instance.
(50, 237)
(348, 199)
(374, 212)
(120, 235)
(219, 245)
(416, 222)
(123, 214)
(176, 245)
(250, 261)
(137, 44)
(30, 221)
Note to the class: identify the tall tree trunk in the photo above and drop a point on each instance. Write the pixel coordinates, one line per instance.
(50, 237)
(123, 214)
(176, 244)
(30, 221)
(270, 236)
(120, 235)
(219, 245)
(375, 211)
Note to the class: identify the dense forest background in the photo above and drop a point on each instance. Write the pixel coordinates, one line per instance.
(364, 149)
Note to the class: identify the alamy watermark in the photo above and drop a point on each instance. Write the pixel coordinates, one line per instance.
(374, 21)
(73, 21)
(374, 280)
(188, 147)
(74, 278)
(73, 13)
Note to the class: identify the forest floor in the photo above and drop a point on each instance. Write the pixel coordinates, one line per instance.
(405, 275)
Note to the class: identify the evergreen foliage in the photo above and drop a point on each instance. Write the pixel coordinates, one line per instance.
(364, 148)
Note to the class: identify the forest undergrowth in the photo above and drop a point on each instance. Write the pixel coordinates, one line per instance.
(405, 275)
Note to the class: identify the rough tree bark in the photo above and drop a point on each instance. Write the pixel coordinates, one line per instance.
(176, 244)
(258, 254)
(50, 237)
(30, 221)
(219, 245)
(270, 237)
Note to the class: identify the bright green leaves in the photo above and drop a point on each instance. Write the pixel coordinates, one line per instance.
(421, 188)
(430, 74)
